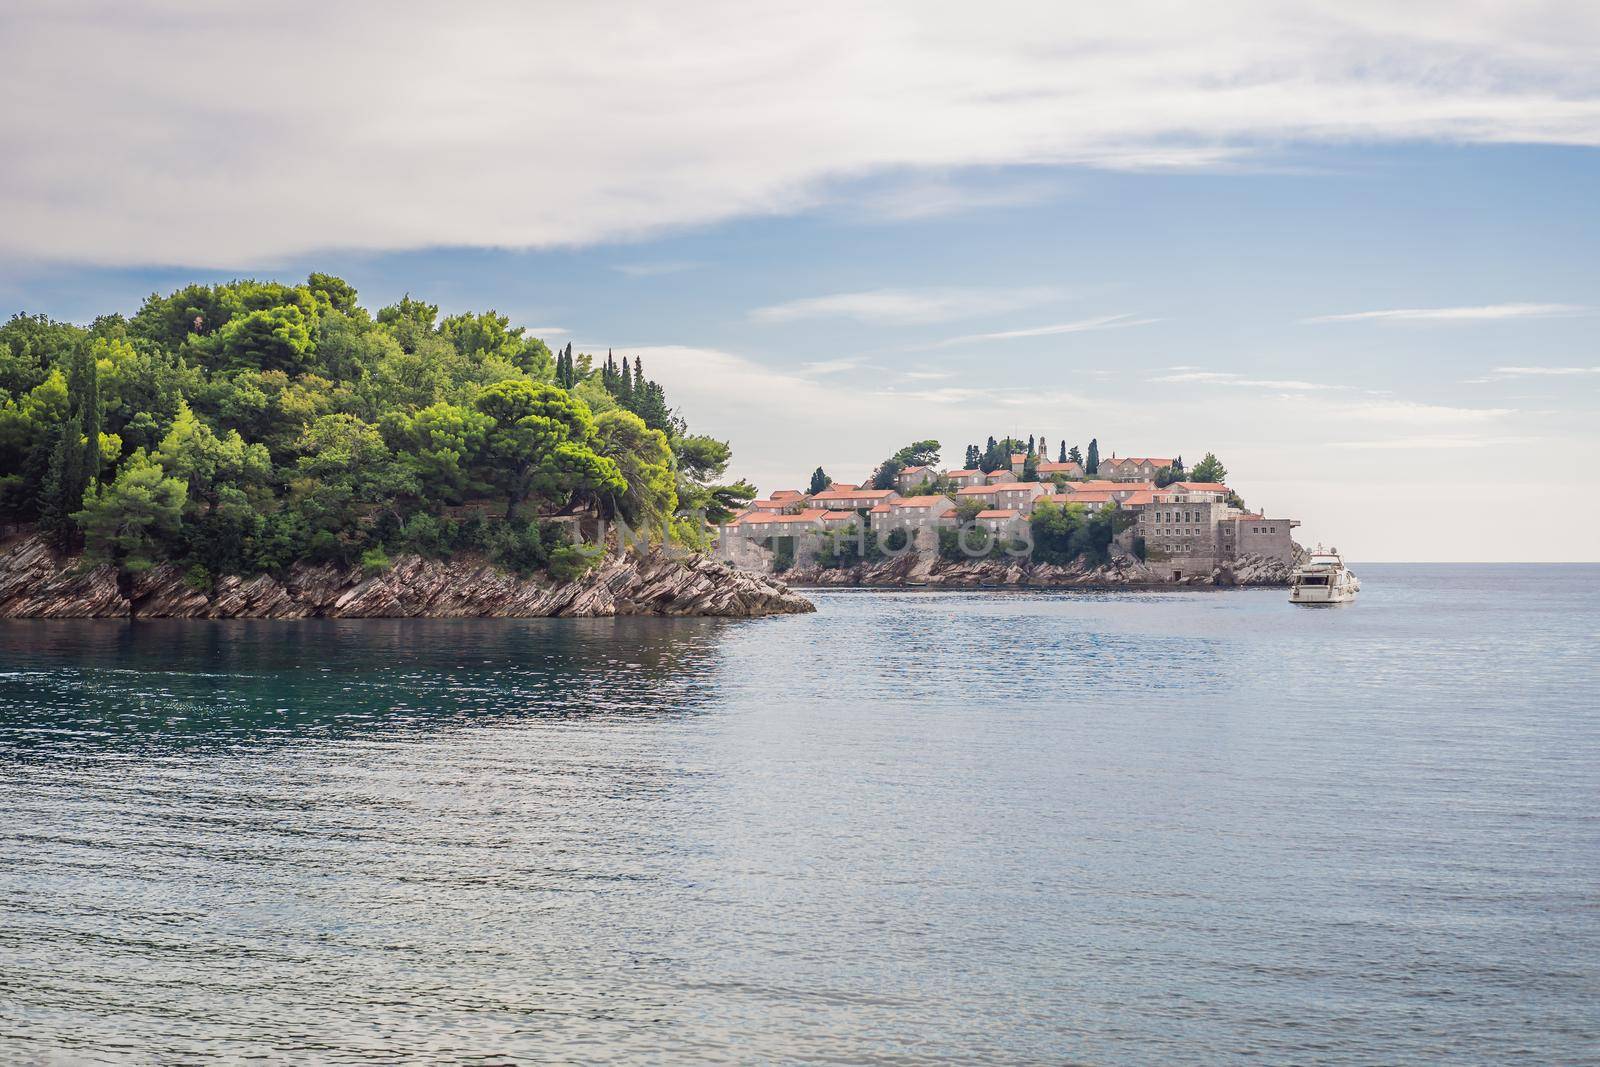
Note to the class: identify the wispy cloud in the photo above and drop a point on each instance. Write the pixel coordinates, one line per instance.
(1207, 377)
(651, 270)
(1477, 313)
(1413, 414)
(546, 331)
(831, 366)
(1502, 373)
(1103, 322)
(925, 198)
(906, 306)
(1431, 441)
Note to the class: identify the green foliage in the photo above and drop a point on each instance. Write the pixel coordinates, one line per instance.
(1064, 532)
(568, 562)
(1092, 464)
(1209, 469)
(374, 561)
(819, 482)
(1030, 468)
(849, 546)
(237, 428)
(125, 522)
(782, 552)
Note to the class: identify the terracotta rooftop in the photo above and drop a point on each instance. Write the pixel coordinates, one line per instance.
(998, 513)
(975, 490)
(852, 493)
(809, 515)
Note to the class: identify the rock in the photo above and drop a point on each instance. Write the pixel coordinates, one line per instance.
(36, 583)
(1125, 572)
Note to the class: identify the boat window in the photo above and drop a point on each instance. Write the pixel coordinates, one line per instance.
(1314, 579)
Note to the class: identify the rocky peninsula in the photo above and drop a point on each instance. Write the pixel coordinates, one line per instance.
(38, 583)
(917, 571)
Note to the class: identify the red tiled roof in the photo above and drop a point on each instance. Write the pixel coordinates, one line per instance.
(1200, 487)
(809, 515)
(976, 490)
(998, 513)
(844, 485)
(785, 494)
(853, 494)
(920, 501)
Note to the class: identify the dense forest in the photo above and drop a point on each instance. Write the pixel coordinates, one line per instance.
(239, 428)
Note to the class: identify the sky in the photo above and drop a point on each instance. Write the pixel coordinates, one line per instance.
(1353, 248)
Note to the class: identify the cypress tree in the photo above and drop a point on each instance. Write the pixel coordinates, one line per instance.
(819, 481)
(1093, 466)
(64, 482)
(1063, 458)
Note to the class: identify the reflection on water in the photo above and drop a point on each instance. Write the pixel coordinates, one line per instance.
(1120, 827)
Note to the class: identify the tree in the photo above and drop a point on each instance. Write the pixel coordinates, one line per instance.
(643, 457)
(990, 459)
(1209, 469)
(64, 484)
(918, 454)
(974, 457)
(1074, 456)
(1030, 468)
(819, 482)
(125, 522)
(541, 444)
(1063, 456)
(1093, 464)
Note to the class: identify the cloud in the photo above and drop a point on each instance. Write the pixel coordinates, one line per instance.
(1500, 373)
(920, 198)
(1104, 322)
(906, 306)
(653, 270)
(526, 125)
(1410, 413)
(546, 331)
(1200, 377)
(831, 366)
(1481, 313)
(1432, 441)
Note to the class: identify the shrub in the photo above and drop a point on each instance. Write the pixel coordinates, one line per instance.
(197, 578)
(568, 562)
(374, 561)
(517, 546)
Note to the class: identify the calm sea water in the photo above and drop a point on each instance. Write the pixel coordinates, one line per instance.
(1151, 828)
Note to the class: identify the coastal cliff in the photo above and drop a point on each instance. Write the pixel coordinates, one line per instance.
(933, 572)
(37, 583)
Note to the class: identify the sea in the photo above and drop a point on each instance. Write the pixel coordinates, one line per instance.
(914, 827)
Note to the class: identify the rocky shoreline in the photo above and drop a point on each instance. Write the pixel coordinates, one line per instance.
(38, 583)
(927, 572)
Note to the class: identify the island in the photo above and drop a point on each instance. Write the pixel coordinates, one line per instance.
(260, 449)
(1012, 516)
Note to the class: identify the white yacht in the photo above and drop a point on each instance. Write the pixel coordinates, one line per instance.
(1324, 579)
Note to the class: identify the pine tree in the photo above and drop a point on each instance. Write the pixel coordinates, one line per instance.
(1093, 465)
(819, 481)
(973, 458)
(83, 392)
(64, 483)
